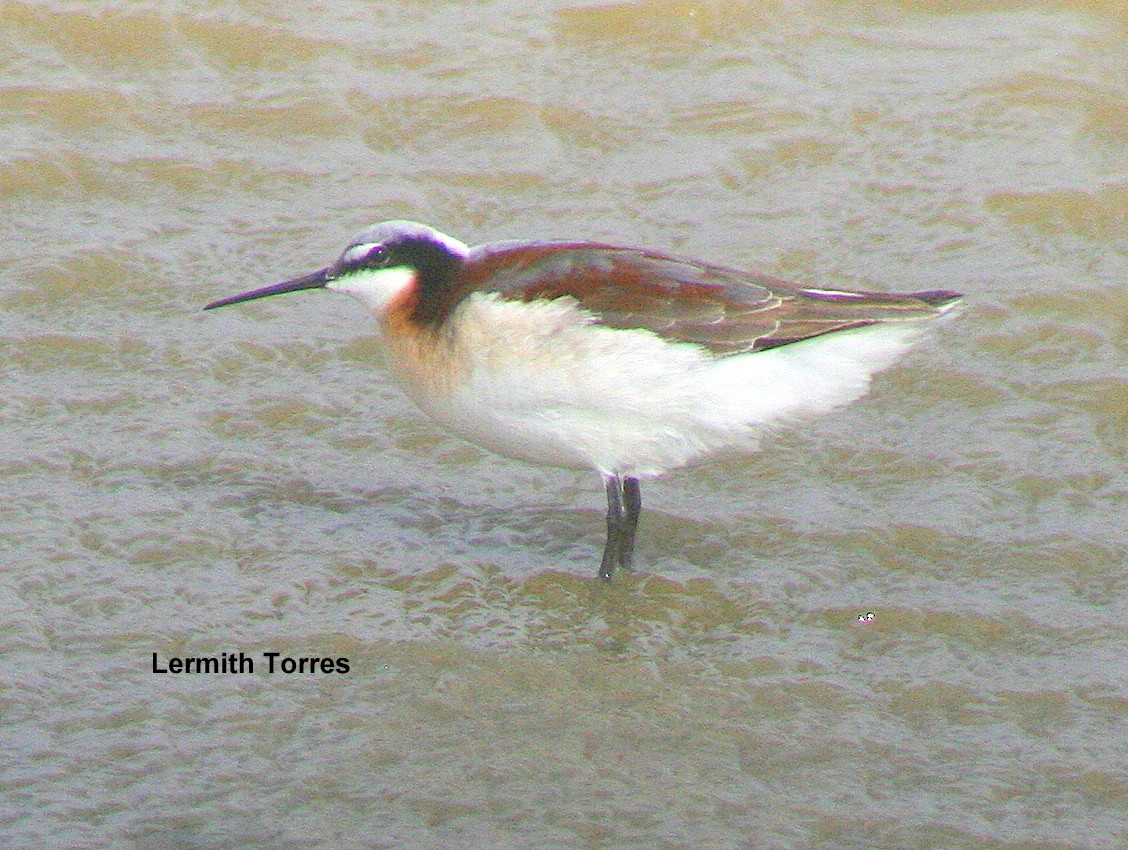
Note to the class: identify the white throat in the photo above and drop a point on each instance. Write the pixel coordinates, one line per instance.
(375, 288)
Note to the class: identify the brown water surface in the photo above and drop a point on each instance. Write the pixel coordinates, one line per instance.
(189, 484)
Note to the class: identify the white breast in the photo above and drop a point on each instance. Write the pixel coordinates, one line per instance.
(541, 382)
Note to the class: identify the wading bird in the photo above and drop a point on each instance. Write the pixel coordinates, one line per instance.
(627, 361)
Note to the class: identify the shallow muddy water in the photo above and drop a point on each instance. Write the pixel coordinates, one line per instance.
(188, 484)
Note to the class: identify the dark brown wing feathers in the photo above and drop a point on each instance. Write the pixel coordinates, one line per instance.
(721, 309)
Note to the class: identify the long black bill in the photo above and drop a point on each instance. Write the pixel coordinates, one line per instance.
(310, 281)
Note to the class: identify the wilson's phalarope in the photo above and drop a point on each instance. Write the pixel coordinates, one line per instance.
(626, 361)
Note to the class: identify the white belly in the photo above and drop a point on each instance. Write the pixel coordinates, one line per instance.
(538, 381)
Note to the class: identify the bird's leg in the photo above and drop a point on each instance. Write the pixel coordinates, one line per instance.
(616, 520)
(632, 502)
(624, 504)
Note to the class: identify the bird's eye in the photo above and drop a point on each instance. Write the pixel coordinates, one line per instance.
(378, 257)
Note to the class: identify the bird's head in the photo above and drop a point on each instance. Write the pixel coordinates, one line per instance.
(381, 265)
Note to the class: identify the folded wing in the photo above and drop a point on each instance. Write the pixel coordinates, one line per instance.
(723, 310)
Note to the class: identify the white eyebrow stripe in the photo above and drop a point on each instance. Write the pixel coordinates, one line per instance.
(356, 252)
(832, 293)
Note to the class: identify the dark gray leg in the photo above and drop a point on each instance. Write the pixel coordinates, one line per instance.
(616, 516)
(624, 503)
(632, 502)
